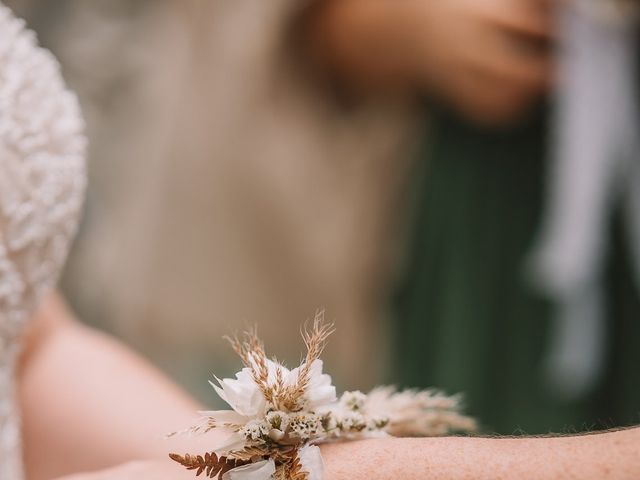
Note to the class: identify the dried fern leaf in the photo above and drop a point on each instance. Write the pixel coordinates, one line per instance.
(210, 464)
(248, 453)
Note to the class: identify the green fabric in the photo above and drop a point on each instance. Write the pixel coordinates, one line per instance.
(466, 318)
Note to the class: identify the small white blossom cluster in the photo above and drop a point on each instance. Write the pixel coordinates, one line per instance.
(279, 415)
(347, 418)
(351, 418)
(419, 413)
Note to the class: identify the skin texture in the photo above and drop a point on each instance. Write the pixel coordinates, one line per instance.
(610, 456)
(90, 403)
(614, 455)
(490, 59)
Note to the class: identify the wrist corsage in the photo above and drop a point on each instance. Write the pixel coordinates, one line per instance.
(279, 416)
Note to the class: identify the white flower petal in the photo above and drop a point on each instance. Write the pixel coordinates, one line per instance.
(241, 393)
(273, 368)
(219, 390)
(321, 396)
(320, 390)
(244, 376)
(257, 404)
(276, 435)
(311, 461)
(233, 395)
(235, 441)
(291, 376)
(262, 470)
(223, 417)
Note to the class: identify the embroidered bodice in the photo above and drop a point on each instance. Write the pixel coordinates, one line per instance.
(42, 181)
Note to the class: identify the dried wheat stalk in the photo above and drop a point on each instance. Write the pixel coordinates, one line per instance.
(251, 352)
(315, 340)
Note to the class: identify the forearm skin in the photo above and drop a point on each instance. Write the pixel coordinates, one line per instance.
(613, 455)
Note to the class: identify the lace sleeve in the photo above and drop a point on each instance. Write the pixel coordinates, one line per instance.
(42, 180)
(41, 171)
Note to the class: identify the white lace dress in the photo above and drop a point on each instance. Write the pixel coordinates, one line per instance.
(42, 181)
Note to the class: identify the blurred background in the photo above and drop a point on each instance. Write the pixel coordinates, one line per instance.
(223, 192)
(251, 162)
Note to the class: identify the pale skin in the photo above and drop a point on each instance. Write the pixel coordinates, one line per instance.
(90, 403)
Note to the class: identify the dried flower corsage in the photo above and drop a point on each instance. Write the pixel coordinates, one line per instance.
(279, 415)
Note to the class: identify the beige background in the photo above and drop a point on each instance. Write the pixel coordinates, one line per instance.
(225, 187)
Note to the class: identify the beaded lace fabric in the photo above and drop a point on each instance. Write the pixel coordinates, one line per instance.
(42, 181)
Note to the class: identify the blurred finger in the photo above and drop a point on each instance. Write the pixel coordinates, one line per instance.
(545, 6)
(523, 17)
(513, 56)
(520, 61)
(488, 100)
(526, 47)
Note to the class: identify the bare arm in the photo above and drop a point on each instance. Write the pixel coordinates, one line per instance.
(606, 456)
(90, 403)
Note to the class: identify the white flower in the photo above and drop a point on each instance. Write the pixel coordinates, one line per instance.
(306, 425)
(329, 421)
(276, 435)
(378, 422)
(245, 397)
(353, 400)
(242, 394)
(320, 391)
(352, 421)
(224, 418)
(255, 430)
(418, 413)
(278, 419)
(262, 470)
(278, 423)
(311, 461)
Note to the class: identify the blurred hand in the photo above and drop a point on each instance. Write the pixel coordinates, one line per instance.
(489, 58)
(143, 470)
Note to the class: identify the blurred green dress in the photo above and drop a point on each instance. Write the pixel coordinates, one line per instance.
(466, 320)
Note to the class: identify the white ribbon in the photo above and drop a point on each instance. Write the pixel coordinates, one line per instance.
(594, 161)
(311, 461)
